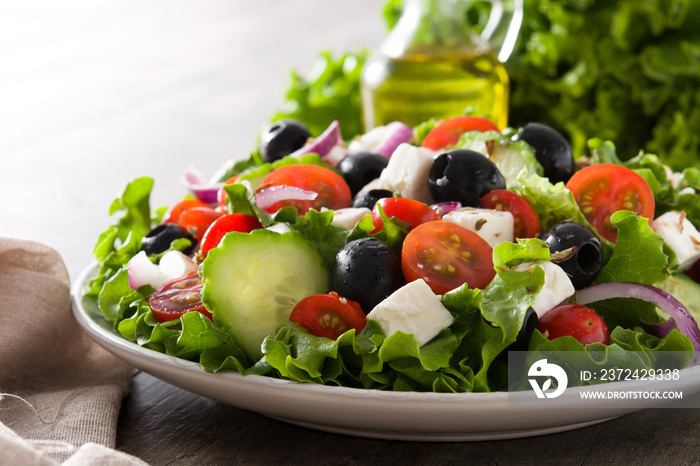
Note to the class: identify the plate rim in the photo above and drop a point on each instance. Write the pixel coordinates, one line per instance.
(181, 373)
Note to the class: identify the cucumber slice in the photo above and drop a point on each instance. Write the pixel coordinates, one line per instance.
(252, 281)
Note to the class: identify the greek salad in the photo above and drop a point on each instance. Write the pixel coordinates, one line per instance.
(408, 258)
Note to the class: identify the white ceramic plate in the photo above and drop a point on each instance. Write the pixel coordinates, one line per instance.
(367, 413)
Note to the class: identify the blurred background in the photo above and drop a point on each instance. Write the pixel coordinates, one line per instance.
(95, 94)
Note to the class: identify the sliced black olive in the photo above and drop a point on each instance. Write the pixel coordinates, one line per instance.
(551, 149)
(366, 271)
(369, 198)
(585, 257)
(522, 340)
(282, 138)
(359, 168)
(160, 238)
(464, 176)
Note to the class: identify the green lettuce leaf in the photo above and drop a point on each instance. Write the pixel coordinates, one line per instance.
(330, 92)
(510, 157)
(392, 234)
(628, 350)
(235, 167)
(122, 240)
(638, 256)
(317, 227)
(366, 360)
(553, 204)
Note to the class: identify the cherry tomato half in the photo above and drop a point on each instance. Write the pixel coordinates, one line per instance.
(328, 315)
(581, 322)
(448, 132)
(405, 209)
(196, 220)
(526, 221)
(602, 189)
(221, 196)
(446, 256)
(224, 224)
(176, 297)
(173, 215)
(333, 191)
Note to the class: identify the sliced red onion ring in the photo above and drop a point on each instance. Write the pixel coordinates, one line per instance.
(323, 144)
(397, 134)
(268, 196)
(383, 140)
(199, 187)
(443, 208)
(680, 317)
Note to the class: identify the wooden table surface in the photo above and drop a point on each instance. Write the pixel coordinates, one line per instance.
(94, 94)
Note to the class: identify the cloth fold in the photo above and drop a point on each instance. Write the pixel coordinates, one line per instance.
(60, 392)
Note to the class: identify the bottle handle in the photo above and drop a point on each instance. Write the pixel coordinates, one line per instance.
(501, 30)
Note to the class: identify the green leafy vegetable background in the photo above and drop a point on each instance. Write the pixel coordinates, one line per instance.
(622, 70)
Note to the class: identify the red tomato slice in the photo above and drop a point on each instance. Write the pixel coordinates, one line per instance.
(405, 209)
(527, 223)
(173, 215)
(602, 189)
(222, 197)
(196, 220)
(224, 224)
(333, 191)
(328, 315)
(446, 256)
(447, 132)
(582, 323)
(176, 297)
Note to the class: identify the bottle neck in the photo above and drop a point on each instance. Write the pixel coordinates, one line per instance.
(434, 25)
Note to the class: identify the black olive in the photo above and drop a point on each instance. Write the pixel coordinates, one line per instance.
(359, 168)
(464, 176)
(282, 138)
(522, 340)
(586, 260)
(366, 271)
(551, 149)
(159, 239)
(369, 198)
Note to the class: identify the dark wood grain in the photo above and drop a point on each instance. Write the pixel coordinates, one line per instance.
(157, 414)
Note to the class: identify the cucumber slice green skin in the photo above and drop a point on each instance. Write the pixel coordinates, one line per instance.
(252, 281)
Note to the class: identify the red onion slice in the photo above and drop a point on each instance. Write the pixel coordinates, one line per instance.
(680, 317)
(323, 144)
(443, 208)
(397, 134)
(199, 187)
(268, 196)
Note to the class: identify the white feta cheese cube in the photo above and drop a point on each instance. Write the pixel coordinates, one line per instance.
(680, 235)
(348, 217)
(494, 226)
(557, 286)
(172, 265)
(413, 309)
(407, 172)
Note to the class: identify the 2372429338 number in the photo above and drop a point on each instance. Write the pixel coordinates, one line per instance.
(614, 375)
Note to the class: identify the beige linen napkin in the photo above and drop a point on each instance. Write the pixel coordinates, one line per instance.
(60, 392)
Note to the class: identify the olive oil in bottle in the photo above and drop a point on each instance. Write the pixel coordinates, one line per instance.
(432, 66)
